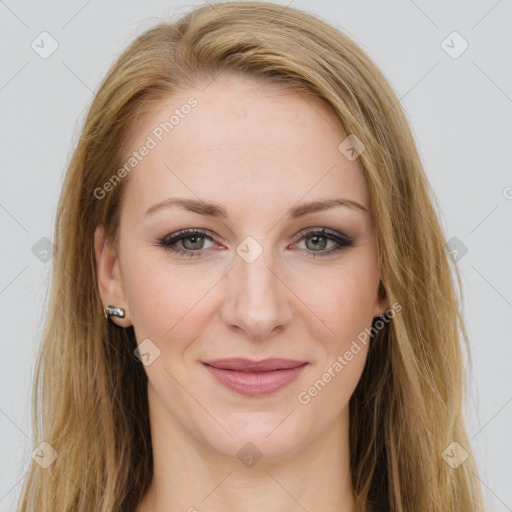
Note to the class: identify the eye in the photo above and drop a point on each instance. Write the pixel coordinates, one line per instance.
(316, 239)
(192, 240)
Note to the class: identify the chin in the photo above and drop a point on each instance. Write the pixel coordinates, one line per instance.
(259, 435)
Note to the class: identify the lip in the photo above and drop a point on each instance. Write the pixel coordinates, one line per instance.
(255, 378)
(250, 365)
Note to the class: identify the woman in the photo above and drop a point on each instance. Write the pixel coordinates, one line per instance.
(252, 307)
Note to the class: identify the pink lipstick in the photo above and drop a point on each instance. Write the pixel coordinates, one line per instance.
(255, 378)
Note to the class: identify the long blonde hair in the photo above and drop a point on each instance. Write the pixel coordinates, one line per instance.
(90, 401)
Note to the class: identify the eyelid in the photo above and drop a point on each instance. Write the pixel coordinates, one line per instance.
(186, 233)
(324, 231)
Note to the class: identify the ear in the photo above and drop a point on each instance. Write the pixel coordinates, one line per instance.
(381, 302)
(110, 284)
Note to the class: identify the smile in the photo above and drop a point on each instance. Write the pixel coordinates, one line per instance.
(252, 382)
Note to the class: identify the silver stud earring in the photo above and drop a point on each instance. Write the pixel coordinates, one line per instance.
(109, 311)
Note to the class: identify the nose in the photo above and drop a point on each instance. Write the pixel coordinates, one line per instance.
(258, 300)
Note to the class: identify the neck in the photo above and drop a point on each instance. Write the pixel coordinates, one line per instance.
(192, 477)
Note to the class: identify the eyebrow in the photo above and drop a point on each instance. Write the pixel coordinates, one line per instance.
(216, 210)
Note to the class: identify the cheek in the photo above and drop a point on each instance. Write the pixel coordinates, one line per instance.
(164, 304)
(346, 301)
(346, 309)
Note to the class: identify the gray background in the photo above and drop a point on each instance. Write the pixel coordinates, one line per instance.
(460, 111)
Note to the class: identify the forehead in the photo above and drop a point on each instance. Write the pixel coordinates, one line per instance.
(242, 137)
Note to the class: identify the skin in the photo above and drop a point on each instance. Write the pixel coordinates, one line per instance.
(258, 152)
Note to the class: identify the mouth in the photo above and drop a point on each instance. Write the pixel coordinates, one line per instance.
(255, 378)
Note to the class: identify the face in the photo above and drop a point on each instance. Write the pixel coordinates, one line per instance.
(220, 256)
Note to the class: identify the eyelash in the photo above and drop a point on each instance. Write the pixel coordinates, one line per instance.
(168, 241)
